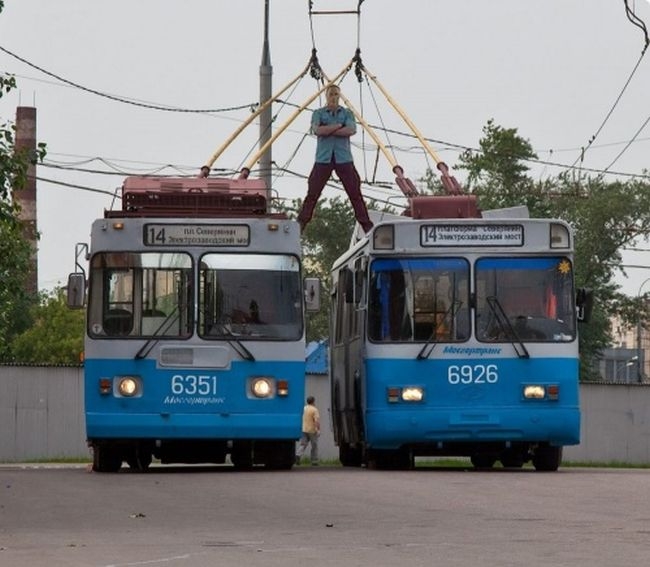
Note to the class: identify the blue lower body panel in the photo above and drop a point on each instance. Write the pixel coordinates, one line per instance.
(180, 404)
(473, 400)
(193, 426)
(391, 429)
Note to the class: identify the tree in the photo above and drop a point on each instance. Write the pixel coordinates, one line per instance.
(605, 216)
(326, 237)
(56, 335)
(14, 302)
(14, 249)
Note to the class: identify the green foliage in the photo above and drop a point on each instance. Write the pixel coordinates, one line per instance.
(56, 336)
(605, 215)
(13, 164)
(15, 251)
(325, 238)
(500, 164)
(14, 301)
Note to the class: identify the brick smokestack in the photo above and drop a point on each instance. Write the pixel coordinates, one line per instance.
(25, 197)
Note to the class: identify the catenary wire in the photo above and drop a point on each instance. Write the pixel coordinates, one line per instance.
(638, 22)
(123, 99)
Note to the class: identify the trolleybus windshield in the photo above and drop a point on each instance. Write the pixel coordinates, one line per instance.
(250, 296)
(419, 299)
(534, 294)
(140, 294)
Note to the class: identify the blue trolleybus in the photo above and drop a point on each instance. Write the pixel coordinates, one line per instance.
(456, 336)
(195, 342)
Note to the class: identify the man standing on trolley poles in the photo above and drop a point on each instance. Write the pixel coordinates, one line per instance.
(310, 432)
(333, 125)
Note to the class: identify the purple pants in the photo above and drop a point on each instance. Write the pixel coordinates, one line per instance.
(351, 183)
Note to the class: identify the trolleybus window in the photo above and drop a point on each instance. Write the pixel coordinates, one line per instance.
(256, 296)
(140, 295)
(530, 298)
(419, 300)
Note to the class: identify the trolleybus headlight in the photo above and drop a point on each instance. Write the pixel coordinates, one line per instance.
(534, 392)
(129, 386)
(262, 387)
(412, 394)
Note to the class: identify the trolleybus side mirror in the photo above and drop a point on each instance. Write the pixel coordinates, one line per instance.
(585, 304)
(312, 294)
(76, 291)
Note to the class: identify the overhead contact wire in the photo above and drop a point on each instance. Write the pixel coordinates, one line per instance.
(125, 100)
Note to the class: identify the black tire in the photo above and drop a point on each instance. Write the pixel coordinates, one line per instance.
(547, 458)
(140, 459)
(106, 459)
(281, 456)
(483, 461)
(242, 456)
(397, 460)
(512, 459)
(349, 456)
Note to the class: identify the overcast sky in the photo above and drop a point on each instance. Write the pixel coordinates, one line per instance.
(550, 68)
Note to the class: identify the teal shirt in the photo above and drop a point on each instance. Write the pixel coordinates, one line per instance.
(337, 147)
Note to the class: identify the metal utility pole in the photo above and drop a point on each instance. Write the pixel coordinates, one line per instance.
(266, 92)
(25, 197)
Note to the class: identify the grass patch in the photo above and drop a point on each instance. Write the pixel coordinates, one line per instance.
(608, 465)
(51, 461)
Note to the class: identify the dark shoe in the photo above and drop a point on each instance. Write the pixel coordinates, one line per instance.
(314, 464)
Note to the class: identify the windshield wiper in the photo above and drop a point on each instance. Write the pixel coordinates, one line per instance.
(453, 310)
(506, 326)
(235, 343)
(162, 328)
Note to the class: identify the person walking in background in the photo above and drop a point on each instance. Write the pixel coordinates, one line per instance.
(310, 431)
(333, 125)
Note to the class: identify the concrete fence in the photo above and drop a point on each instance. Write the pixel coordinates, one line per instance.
(41, 413)
(41, 417)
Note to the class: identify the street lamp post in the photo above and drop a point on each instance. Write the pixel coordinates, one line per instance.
(628, 364)
(639, 327)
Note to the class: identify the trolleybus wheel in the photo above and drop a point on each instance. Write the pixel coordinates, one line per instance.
(512, 458)
(281, 455)
(139, 460)
(399, 459)
(482, 461)
(242, 455)
(106, 459)
(349, 456)
(547, 458)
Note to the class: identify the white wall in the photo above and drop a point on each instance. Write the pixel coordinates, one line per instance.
(41, 417)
